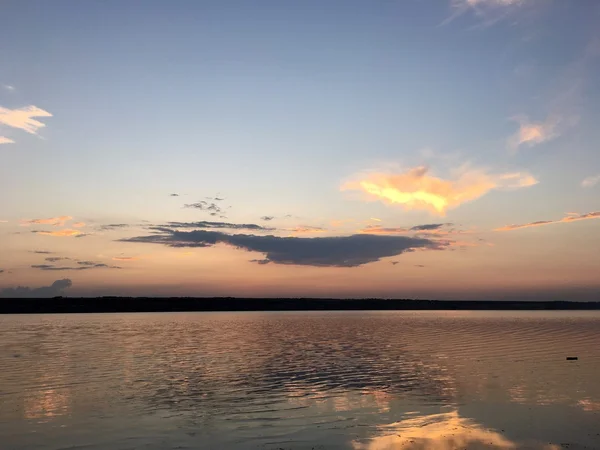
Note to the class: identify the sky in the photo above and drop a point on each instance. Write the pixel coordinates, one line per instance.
(442, 149)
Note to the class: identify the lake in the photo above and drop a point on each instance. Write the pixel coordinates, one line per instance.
(322, 380)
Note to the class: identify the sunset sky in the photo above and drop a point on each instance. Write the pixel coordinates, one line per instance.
(411, 149)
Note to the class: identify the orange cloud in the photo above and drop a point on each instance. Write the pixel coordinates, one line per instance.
(61, 233)
(125, 258)
(5, 140)
(54, 221)
(416, 189)
(23, 118)
(79, 224)
(571, 217)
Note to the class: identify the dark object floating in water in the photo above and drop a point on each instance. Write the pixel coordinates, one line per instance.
(572, 358)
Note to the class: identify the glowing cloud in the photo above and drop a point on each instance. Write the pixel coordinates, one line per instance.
(590, 181)
(416, 189)
(79, 224)
(54, 221)
(571, 217)
(5, 140)
(23, 118)
(60, 233)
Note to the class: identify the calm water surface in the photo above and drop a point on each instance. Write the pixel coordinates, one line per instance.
(331, 380)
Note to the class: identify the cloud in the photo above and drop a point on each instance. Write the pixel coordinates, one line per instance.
(79, 224)
(590, 181)
(53, 290)
(416, 189)
(23, 118)
(1, 270)
(489, 11)
(212, 208)
(571, 217)
(42, 252)
(5, 140)
(206, 224)
(82, 265)
(260, 261)
(125, 258)
(57, 258)
(533, 133)
(61, 233)
(9, 87)
(341, 251)
(173, 195)
(267, 218)
(54, 221)
(430, 226)
(113, 226)
(306, 229)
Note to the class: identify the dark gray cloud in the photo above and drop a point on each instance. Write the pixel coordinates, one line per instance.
(267, 218)
(53, 290)
(341, 251)
(419, 265)
(206, 224)
(42, 252)
(173, 195)
(429, 226)
(260, 261)
(56, 258)
(1, 270)
(395, 262)
(211, 208)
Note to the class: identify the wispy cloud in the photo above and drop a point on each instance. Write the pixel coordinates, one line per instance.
(9, 87)
(173, 195)
(79, 224)
(60, 233)
(206, 224)
(339, 251)
(5, 140)
(57, 258)
(54, 221)
(416, 189)
(53, 290)
(113, 226)
(430, 229)
(533, 133)
(590, 181)
(125, 258)
(570, 217)
(303, 229)
(81, 265)
(488, 11)
(23, 118)
(267, 218)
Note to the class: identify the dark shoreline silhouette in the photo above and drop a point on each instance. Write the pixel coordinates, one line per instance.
(174, 304)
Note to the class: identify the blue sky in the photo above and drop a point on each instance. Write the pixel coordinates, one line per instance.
(276, 107)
